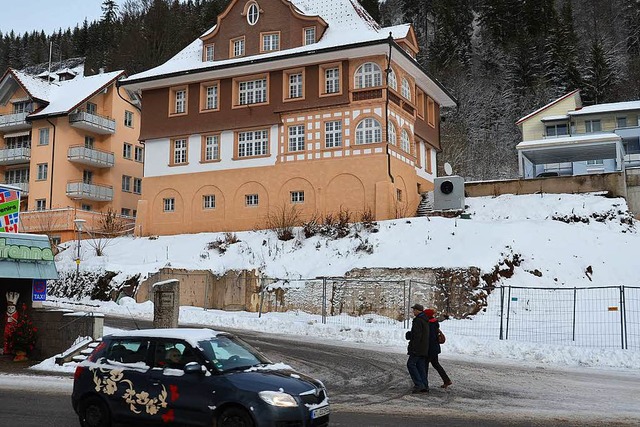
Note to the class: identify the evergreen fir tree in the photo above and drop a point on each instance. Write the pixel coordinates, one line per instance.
(600, 76)
(372, 7)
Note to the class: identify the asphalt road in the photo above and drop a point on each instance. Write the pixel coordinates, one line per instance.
(371, 388)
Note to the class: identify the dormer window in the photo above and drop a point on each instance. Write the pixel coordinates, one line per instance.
(208, 52)
(253, 14)
(237, 47)
(309, 35)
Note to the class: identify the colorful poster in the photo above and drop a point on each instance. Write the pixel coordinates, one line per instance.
(9, 210)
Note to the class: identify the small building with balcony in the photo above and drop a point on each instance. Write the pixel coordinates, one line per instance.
(565, 138)
(70, 142)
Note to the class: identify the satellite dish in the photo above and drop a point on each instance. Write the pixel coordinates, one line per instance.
(448, 169)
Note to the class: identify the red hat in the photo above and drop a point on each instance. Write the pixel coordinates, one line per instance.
(430, 312)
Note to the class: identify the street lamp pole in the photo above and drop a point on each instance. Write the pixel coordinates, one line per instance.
(79, 223)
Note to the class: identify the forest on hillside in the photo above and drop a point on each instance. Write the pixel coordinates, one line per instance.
(501, 59)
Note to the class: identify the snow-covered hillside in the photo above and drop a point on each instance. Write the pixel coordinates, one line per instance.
(560, 235)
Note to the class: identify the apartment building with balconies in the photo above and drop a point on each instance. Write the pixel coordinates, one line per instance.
(282, 105)
(70, 143)
(566, 138)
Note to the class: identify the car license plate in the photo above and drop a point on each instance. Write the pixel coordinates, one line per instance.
(320, 412)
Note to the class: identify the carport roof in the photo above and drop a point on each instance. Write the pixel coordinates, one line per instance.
(571, 148)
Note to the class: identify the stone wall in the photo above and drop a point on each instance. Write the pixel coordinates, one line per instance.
(59, 329)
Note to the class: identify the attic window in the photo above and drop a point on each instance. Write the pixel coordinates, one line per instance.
(253, 13)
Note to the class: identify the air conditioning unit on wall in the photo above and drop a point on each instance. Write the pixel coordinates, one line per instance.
(448, 193)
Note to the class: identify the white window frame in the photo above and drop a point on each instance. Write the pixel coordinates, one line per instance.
(238, 47)
(295, 85)
(209, 52)
(253, 143)
(43, 171)
(137, 185)
(589, 126)
(368, 75)
(44, 136)
(333, 134)
(251, 200)
(211, 148)
(180, 97)
(253, 14)
(393, 80)
(16, 176)
(169, 204)
(138, 154)
(128, 118)
(209, 201)
(270, 42)
(179, 151)
(41, 204)
(405, 141)
(211, 97)
(297, 197)
(406, 89)
(309, 35)
(368, 131)
(126, 150)
(126, 183)
(296, 138)
(393, 134)
(252, 92)
(332, 80)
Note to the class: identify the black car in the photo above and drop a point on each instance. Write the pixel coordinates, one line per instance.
(196, 377)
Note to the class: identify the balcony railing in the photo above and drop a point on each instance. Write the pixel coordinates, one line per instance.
(15, 156)
(22, 185)
(92, 122)
(12, 122)
(90, 156)
(365, 94)
(83, 191)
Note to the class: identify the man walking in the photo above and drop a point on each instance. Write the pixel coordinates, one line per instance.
(418, 349)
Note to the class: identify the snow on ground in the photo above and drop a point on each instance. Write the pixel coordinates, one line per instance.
(600, 233)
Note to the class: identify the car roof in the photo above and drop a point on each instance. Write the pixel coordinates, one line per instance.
(191, 335)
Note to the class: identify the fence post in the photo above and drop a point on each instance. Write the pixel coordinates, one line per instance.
(406, 291)
(501, 311)
(623, 320)
(261, 297)
(324, 300)
(506, 336)
(573, 322)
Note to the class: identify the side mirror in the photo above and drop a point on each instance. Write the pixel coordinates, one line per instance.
(193, 367)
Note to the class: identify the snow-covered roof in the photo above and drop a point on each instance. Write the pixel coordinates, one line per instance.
(35, 86)
(348, 23)
(192, 336)
(607, 108)
(554, 118)
(65, 95)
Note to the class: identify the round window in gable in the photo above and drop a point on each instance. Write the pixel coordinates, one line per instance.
(253, 14)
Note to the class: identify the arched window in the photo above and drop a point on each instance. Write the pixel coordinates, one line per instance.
(368, 131)
(393, 136)
(405, 142)
(368, 75)
(253, 14)
(406, 89)
(393, 81)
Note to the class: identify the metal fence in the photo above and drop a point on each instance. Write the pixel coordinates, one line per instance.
(606, 317)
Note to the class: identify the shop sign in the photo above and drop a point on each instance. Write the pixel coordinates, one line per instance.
(9, 210)
(19, 252)
(39, 290)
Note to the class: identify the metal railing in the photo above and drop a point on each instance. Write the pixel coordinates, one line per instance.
(96, 120)
(15, 155)
(92, 156)
(83, 190)
(14, 119)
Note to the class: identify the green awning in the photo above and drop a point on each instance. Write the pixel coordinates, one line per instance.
(26, 256)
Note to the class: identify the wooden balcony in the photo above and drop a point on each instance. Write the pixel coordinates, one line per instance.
(366, 94)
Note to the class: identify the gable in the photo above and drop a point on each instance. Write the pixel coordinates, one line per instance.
(274, 17)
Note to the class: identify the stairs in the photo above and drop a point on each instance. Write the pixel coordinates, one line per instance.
(78, 352)
(426, 204)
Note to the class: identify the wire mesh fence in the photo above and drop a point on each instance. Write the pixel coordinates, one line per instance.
(606, 317)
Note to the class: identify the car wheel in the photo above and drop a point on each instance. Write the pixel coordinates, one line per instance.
(234, 417)
(94, 412)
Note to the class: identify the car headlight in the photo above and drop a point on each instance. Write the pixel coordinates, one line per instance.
(277, 398)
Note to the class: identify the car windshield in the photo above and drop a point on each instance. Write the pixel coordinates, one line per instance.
(229, 353)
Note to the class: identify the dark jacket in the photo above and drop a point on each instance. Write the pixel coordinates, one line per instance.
(434, 345)
(418, 336)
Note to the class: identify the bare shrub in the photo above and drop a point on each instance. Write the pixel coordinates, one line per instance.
(110, 226)
(283, 220)
(367, 219)
(311, 227)
(221, 244)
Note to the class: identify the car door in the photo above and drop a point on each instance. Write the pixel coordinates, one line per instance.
(189, 396)
(122, 375)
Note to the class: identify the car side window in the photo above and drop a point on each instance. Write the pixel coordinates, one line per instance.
(128, 351)
(173, 355)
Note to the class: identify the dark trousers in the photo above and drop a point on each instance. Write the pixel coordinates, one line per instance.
(417, 367)
(434, 361)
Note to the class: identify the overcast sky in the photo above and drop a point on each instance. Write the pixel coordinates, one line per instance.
(47, 15)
